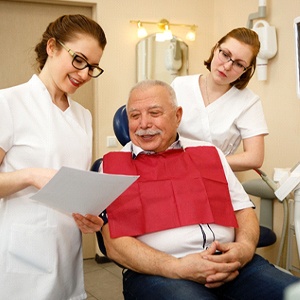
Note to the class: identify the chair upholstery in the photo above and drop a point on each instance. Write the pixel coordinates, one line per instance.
(96, 165)
(120, 125)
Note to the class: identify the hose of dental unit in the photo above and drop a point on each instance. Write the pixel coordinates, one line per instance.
(274, 187)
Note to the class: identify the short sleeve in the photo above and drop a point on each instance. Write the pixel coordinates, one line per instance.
(252, 121)
(239, 198)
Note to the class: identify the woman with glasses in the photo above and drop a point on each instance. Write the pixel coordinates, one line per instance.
(43, 129)
(218, 108)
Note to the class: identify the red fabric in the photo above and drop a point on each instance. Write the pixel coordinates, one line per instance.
(176, 188)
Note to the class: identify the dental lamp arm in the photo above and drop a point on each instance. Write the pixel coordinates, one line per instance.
(258, 15)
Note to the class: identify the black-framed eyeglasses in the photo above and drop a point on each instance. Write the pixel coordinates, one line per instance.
(236, 65)
(80, 63)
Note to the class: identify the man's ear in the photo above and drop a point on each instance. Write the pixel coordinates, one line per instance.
(179, 112)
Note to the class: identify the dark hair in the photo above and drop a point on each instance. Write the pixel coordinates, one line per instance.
(64, 29)
(248, 37)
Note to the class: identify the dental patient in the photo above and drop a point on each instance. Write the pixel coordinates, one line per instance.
(185, 229)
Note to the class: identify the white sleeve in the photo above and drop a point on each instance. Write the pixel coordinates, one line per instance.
(6, 125)
(239, 197)
(251, 121)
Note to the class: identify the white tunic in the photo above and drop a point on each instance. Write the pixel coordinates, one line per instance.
(236, 115)
(40, 248)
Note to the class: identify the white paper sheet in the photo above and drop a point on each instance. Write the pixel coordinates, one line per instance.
(77, 191)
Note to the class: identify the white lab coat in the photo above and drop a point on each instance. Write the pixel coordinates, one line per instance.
(40, 248)
(236, 115)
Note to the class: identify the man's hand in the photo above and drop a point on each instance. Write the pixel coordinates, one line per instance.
(236, 251)
(139, 257)
(208, 268)
(231, 252)
(88, 223)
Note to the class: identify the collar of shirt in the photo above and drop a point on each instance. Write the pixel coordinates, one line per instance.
(136, 150)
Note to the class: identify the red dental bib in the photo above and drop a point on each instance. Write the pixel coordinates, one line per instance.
(176, 188)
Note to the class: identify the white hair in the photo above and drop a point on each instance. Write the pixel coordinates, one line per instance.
(148, 83)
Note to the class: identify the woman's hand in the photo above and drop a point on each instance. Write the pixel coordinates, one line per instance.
(39, 177)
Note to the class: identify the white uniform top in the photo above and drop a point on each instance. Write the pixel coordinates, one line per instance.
(236, 115)
(40, 248)
(196, 238)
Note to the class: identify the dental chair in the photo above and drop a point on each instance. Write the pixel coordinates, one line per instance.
(257, 187)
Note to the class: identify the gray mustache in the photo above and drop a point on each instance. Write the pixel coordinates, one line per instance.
(147, 132)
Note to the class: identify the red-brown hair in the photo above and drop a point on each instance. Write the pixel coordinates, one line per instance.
(248, 37)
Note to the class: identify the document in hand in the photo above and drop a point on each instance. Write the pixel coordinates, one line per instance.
(84, 192)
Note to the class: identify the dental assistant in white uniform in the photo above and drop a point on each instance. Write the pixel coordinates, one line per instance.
(218, 108)
(43, 129)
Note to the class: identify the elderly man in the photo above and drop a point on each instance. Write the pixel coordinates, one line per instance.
(185, 229)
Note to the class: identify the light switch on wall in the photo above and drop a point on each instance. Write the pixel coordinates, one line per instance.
(111, 142)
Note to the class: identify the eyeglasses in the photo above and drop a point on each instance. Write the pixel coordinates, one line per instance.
(80, 63)
(236, 65)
